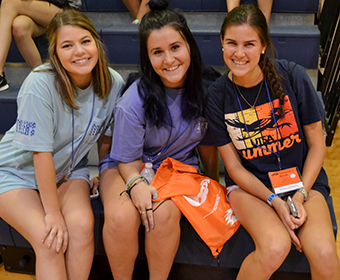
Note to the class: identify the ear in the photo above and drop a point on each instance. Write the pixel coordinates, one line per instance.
(221, 40)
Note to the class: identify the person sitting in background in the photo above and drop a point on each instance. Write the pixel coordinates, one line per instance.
(137, 8)
(64, 107)
(264, 5)
(25, 19)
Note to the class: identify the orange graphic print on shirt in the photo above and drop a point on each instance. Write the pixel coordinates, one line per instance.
(258, 132)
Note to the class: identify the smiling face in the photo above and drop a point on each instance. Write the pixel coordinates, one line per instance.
(78, 53)
(169, 55)
(242, 51)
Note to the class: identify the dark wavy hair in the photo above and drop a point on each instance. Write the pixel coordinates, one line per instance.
(151, 88)
(251, 15)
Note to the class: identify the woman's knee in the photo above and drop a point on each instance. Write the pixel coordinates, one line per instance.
(80, 226)
(121, 221)
(21, 28)
(273, 251)
(168, 216)
(323, 258)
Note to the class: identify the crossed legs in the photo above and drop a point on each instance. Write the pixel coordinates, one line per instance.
(24, 20)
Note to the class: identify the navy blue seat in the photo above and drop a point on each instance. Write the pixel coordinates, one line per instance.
(192, 250)
(8, 108)
(122, 43)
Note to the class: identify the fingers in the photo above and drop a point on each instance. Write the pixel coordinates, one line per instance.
(154, 193)
(94, 185)
(147, 218)
(295, 240)
(59, 237)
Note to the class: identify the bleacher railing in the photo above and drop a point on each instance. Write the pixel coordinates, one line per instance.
(329, 78)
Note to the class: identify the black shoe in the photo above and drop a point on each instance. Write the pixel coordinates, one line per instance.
(3, 82)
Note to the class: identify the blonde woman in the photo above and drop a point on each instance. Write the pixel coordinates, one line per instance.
(63, 109)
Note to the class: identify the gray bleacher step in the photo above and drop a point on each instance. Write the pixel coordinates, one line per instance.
(209, 18)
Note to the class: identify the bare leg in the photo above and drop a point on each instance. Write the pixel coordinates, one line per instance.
(317, 239)
(74, 196)
(272, 240)
(144, 8)
(161, 242)
(132, 6)
(24, 29)
(231, 4)
(266, 7)
(122, 222)
(40, 12)
(23, 210)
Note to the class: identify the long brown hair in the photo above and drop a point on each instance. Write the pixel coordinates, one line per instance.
(102, 80)
(251, 15)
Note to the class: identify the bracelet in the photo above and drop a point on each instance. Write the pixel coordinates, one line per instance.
(305, 194)
(132, 180)
(270, 198)
(136, 21)
(135, 183)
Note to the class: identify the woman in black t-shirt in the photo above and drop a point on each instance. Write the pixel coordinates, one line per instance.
(266, 122)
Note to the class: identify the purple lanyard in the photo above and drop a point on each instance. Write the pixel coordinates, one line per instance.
(167, 145)
(70, 169)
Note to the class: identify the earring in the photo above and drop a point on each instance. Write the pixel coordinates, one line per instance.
(262, 52)
(222, 49)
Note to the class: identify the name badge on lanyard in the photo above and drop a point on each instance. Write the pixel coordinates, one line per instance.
(286, 181)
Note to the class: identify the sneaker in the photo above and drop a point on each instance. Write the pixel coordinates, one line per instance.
(3, 83)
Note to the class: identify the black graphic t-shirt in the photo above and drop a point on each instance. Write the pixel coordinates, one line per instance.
(259, 134)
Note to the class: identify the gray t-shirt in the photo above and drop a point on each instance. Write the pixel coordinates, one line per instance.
(44, 124)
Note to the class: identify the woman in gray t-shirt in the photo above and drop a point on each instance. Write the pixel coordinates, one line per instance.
(64, 107)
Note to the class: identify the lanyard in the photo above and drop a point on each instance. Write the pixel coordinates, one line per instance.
(276, 128)
(167, 145)
(70, 169)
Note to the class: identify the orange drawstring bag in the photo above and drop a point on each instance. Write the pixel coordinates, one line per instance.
(201, 199)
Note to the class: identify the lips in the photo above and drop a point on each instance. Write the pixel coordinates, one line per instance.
(240, 63)
(81, 61)
(172, 68)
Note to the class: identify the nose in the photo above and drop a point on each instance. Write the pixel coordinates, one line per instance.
(79, 50)
(168, 57)
(239, 51)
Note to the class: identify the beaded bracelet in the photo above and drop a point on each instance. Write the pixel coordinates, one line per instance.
(133, 184)
(132, 180)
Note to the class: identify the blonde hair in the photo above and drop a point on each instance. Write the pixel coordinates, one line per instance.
(102, 80)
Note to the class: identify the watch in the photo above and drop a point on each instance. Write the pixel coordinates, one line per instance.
(305, 194)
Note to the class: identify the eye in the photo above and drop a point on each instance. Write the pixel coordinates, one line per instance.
(175, 47)
(157, 52)
(231, 43)
(249, 44)
(66, 46)
(86, 41)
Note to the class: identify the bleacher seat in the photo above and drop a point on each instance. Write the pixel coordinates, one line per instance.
(192, 250)
(8, 108)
